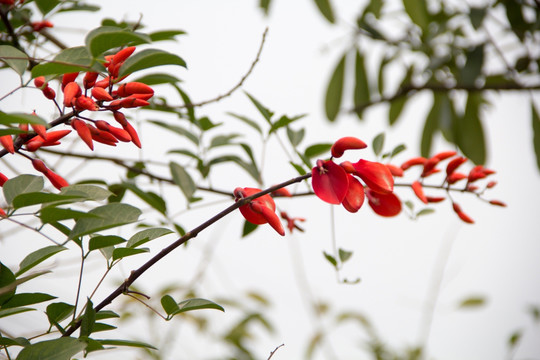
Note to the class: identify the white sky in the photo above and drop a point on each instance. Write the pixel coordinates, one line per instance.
(395, 258)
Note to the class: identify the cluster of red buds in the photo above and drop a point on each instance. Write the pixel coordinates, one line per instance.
(260, 210)
(105, 94)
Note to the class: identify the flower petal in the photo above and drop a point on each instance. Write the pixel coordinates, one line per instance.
(384, 204)
(330, 182)
(355, 195)
(376, 176)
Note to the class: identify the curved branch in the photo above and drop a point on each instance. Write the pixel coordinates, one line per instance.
(135, 274)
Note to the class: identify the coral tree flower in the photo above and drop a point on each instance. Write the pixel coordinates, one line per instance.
(260, 210)
(376, 176)
(383, 204)
(330, 182)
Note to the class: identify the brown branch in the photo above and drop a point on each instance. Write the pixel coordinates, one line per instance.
(237, 86)
(135, 274)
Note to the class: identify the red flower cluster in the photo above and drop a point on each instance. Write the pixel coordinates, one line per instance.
(94, 95)
(340, 184)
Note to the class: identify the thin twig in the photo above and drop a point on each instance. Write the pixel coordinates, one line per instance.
(237, 86)
(273, 352)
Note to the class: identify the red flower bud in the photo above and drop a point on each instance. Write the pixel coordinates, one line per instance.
(497, 203)
(133, 133)
(83, 131)
(40, 166)
(122, 55)
(413, 162)
(89, 79)
(3, 179)
(7, 143)
(40, 82)
(101, 94)
(2, 213)
(445, 155)
(68, 78)
(435, 199)
(419, 191)
(455, 177)
(56, 180)
(396, 171)
(103, 83)
(454, 164)
(41, 130)
(49, 93)
(429, 166)
(348, 167)
(40, 25)
(464, 217)
(131, 102)
(85, 103)
(131, 88)
(346, 143)
(71, 91)
(282, 192)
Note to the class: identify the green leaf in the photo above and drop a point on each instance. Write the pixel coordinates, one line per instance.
(295, 136)
(109, 216)
(22, 184)
(38, 256)
(477, 15)
(56, 312)
(378, 144)
(88, 319)
(146, 235)
(120, 253)
(7, 284)
(196, 304)
(425, 211)
(149, 197)
(473, 65)
(51, 214)
(316, 150)
(20, 118)
(69, 60)
(102, 327)
(9, 312)
(177, 129)
(247, 121)
(473, 301)
(284, 121)
(149, 58)
(267, 114)
(298, 168)
(334, 90)
(431, 125)
(265, 5)
(165, 35)
(514, 338)
(222, 140)
(182, 178)
(469, 130)
(14, 58)
(248, 228)
(45, 6)
(106, 314)
(344, 255)
(90, 192)
(536, 133)
(98, 242)
(169, 305)
(417, 11)
(326, 10)
(361, 88)
(24, 299)
(58, 349)
(330, 259)
(20, 341)
(105, 38)
(34, 198)
(115, 342)
(396, 108)
(157, 79)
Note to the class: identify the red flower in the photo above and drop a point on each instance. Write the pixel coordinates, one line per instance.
(260, 210)
(354, 199)
(376, 176)
(291, 221)
(384, 204)
(330, 182)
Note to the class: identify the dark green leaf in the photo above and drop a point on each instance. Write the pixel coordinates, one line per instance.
(13, 311)
(106, 314)
(157, 79)
(24, 299)
(330, 259)
(298, 168)
(417, 11)
(149, 58)
(222, 140)
(102, 327)
(396, 108)
(265, 5)
(120, 253)
(34, 198)
(98, 242)
(197, 304)
(169, 305)
(90, 192)
(536, 133)
(431, 125)
(344, 255)
(477, 16)
(378, 144)
(45, 6)
(7, 284)
(514, 338)
(109, 216)
(470, 133)
(20, 341)
(56, 312)
(58, 349)
(334, 90)
(115, 342)
(248, 228)
(165, 35)
(148, 197)
(14, 58)
(52, 214)
(146, 235)
(69, 60)
(20, 118)
(316, 150)
(267, 114)
(88, 319)
(473, 66)
(361, 88)
(326, 10)
(22, 184)
(425, 211)
(283, 121)
(38, 256)
(105, 38)
(182, 178)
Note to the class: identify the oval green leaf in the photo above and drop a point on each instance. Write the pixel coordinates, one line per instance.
(334, 90)
(149, 58)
